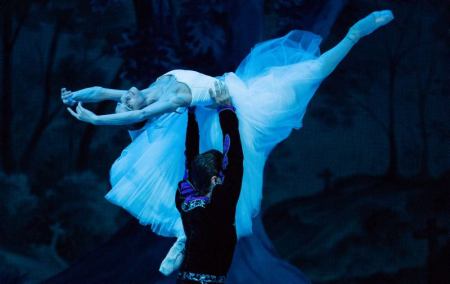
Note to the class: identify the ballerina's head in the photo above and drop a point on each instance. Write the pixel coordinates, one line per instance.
(133, 100)
(205, 171)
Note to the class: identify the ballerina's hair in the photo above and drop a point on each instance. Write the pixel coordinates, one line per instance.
(203, 168)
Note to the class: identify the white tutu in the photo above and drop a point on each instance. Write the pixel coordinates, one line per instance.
(144, 178)
(270, 90)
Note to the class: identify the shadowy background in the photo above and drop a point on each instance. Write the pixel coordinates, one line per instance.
(361, 194)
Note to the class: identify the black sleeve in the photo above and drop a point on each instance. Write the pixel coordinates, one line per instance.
(234, 171)
(192, 139)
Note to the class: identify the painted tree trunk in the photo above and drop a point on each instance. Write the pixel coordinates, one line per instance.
(7, 159)
(46, 115)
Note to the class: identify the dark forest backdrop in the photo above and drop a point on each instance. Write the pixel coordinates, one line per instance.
(359, 195)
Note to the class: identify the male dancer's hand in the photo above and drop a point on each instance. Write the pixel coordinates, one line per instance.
(220, 94)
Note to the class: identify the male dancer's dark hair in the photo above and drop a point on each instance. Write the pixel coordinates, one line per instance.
(203, 168)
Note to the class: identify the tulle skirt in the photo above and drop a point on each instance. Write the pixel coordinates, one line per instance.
(270, 89)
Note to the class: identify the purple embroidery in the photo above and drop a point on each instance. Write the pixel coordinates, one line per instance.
(186, 188)
(226, 148)
(191, 197)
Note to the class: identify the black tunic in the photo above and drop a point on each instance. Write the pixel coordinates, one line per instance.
(210, 229)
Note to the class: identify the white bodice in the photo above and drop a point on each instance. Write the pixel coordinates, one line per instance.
(198, 83)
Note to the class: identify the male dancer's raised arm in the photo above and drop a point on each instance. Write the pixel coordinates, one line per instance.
(233, 159)
(192, 138)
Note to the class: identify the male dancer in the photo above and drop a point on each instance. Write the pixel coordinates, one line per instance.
(207, 199)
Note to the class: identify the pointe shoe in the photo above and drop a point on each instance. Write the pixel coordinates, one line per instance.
(174, 257)
(369, 24)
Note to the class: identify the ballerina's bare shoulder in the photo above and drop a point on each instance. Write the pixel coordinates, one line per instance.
(171, 85)
(193, 80)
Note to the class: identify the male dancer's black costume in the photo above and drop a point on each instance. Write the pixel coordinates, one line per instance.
(209, 222)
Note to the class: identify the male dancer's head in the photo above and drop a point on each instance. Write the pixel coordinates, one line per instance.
(205, 171)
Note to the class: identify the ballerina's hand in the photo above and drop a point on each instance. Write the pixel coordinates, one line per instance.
(83, 114)
(220, 95)
(90, 94)
(67, 97)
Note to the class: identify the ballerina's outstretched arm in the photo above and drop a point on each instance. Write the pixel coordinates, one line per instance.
(96, 94)
(91, 95)
(330, 59)
(125, 118)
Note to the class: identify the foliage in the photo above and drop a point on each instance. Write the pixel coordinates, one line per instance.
(145, 56)
(206, 34)
(77, 204)
(9, 274)
(184, 37)
(294, 14)
(359, 225)
(395, 87)
(68, 217)
(100, 6)
(17, 209)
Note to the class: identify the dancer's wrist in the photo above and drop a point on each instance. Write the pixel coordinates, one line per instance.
(352, 36)
(99, 91)
(225, 107)
(97, 120)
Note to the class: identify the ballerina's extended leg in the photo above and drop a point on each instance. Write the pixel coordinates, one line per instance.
(174, 257)
(330, 59)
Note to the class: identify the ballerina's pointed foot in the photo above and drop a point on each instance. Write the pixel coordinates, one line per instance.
(370, 23)
(174, 258)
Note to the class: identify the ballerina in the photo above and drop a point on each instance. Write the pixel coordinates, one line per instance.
(270, 90)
